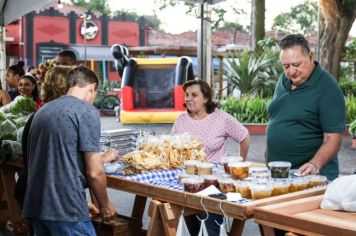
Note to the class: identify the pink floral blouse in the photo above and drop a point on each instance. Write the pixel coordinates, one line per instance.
(213, 130)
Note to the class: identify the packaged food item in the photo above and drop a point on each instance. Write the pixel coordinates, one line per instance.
(315, 180)
(298, 184)
(260, 191)
(210, 180)
(191, 166)
(280, 187)
(243, 187)
(279, 169)
(226, 185)
(239, 170)
(182, 176)
(229, 159)
(193, 184)
(205, 168)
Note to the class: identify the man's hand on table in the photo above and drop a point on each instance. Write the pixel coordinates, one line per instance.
(107, 212)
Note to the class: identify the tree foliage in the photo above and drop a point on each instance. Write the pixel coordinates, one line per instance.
(94, 5)
(300, 19)
(151, 21)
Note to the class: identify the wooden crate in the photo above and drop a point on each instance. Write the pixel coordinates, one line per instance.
(304, 216)
(119, 226)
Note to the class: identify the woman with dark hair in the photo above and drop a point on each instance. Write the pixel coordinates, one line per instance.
(206, 122)
(13, 74)
(27, 87)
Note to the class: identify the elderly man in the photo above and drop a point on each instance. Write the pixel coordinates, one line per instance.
(307, 113)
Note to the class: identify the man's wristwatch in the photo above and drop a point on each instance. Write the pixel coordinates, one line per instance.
(315, 166)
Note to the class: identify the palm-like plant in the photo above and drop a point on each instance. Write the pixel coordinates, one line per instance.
(253, 74)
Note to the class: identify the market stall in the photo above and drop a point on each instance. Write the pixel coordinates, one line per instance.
(170, 202)
(304, 216)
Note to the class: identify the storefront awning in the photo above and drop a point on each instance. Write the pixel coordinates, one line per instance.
(96, 53)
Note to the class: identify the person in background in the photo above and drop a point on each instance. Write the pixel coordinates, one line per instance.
(4, 97)
(66, 57)
(13, 74)
(63, 159)
(27, 87)
(213, 126)
(307, 113)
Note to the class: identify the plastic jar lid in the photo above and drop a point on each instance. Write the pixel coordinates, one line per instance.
(279, 164)
(205, 165)
(239, 164)
(228, 159)
(191, 163)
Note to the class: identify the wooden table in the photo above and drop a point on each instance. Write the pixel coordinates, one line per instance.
(304, 216)
(169, 203)
(9, 207)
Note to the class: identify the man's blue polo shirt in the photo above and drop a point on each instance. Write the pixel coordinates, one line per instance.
(298, 119)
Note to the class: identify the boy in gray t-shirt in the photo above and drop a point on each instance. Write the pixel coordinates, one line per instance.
(63, 150)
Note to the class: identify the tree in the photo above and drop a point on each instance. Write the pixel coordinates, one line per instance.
(94, 5)
(258, 22)
(302, 18)
(151, 21)
(338, 17)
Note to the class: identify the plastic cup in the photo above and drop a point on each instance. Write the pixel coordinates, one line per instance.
(239, 170)
(279, 169)
(261, 191)
(226, 185)
(193, 185)
(229, 159)
(280, 187)
(205, 168)
(191, 166)
(243, 187)
(298, 184)
(315, 180)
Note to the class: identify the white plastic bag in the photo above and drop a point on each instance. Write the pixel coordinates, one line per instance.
(341, 194)
(203, 231)
(182, 229)
(223, 230)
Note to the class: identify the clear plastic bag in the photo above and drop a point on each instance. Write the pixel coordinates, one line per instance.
(182, 229)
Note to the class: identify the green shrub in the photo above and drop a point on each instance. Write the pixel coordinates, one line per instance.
(247, 109)
(350, 109)
(348, 87)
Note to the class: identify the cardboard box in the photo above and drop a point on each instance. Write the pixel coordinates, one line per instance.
(119, 226)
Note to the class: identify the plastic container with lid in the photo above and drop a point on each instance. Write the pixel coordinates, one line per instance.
(191, 166)
(243, 187)
(193, 184)
(280, 187)
(183, 175)
(298, 184)
(205, 168)
(261, 191)
(226, 185)
(239, 170)
(315, 180)
(279, 169)
(229, 159)
(210, 180)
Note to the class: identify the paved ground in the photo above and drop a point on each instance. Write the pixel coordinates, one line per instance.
(124, 201)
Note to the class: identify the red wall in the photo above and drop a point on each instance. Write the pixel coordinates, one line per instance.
(50, 28)
(123, 33)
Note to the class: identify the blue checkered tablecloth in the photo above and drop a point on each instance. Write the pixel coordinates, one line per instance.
(163, 178)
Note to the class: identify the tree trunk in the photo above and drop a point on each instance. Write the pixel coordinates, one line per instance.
(258, 22)
(338, 17)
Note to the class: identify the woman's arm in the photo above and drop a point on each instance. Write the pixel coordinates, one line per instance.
(244, 146)
(4, 98)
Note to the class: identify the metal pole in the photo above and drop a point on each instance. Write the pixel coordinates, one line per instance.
(85, 39)
(200, 42)
(318, 34)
